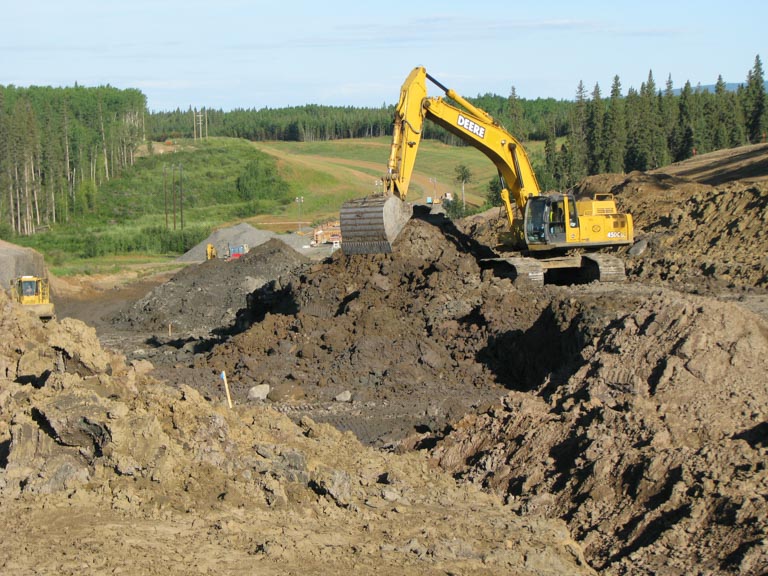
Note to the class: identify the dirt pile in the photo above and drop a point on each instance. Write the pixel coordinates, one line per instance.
(105, 470)
(225, 239)
(205, 297)
(404, 337)
(606, 427)
(747, 164)
(653, 447)
(636, 412)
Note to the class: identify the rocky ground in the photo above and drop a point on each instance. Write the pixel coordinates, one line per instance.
(413, 413)
(106, 470)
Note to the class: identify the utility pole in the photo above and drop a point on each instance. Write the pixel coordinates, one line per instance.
(181, 195)
(165, 195)
(197, 124)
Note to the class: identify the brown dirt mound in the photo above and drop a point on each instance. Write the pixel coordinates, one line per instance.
(699, 238)
(653, 450)
(104, 470)
(385, 329)
(205, 297)
(635, 412)
(744, 163)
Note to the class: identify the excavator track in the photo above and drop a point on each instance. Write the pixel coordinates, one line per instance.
(370, 225)
(524, 272)
(530, 272)
(606, 268)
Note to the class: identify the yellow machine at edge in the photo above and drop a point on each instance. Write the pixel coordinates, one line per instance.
(33, 294)
(551, 231)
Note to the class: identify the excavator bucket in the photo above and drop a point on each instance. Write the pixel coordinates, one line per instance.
(370, 225)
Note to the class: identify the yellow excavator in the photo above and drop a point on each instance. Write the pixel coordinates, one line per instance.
(548, 231)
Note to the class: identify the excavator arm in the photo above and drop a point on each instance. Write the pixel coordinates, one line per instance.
(370, 225)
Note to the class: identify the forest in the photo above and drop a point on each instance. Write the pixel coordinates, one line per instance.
(59, 146)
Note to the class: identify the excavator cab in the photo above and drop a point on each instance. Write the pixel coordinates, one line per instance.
(551, 221)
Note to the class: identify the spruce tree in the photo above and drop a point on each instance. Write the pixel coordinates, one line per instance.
(702, 126)
(638, 151)
(683, 138)
(719, 116)
(669, 109)
(595, 133)
(574, 155)
(655, 145)
(517, 124)
(754, 103)
(615, 130)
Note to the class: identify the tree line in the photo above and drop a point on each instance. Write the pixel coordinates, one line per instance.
(651, 127)
(297, 123)
(58, 145)
(640, 130)
(314, 122)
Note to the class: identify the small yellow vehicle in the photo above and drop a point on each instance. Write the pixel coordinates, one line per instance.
(33, 294)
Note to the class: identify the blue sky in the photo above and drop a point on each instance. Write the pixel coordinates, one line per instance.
(250, 54)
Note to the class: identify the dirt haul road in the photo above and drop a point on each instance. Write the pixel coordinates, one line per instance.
(634, 414)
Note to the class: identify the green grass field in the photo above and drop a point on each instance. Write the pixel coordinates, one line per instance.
(327, 174)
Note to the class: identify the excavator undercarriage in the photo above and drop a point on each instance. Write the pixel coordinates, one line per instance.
(579, 268)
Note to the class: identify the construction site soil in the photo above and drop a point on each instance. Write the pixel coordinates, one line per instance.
(410, 413)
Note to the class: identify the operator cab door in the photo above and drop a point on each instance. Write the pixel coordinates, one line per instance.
(551, 221)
